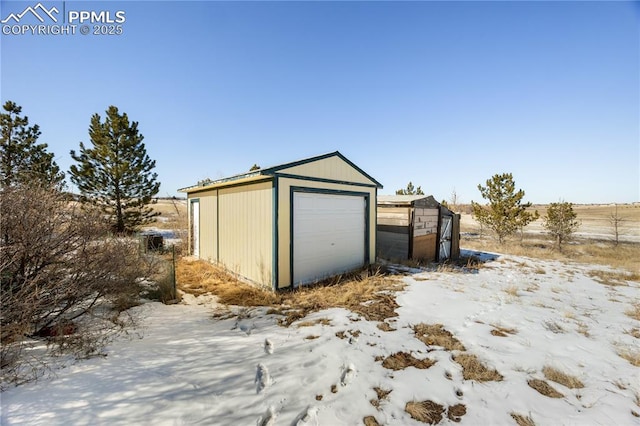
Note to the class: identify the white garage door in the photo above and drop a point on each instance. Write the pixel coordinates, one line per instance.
(328, 235)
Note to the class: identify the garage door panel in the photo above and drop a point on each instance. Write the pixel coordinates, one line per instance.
(328, 235)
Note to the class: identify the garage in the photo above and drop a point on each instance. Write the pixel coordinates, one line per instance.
(288, 225)
(329, 234)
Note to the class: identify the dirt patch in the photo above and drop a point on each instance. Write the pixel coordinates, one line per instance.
(455, 412)
(437, 335)
(564, 379)
(402, 360)
(473, 369)
(544, 388)
(425, 411)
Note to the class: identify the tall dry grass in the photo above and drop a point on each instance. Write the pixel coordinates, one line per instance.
(623, 256)
(347, 291)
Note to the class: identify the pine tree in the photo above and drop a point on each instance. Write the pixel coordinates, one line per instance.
(410, 190)
(22, 159)
(116, 174)
(561, 221)
(505, 213)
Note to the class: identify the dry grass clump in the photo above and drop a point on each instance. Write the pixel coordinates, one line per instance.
(425, 411)
(402, 360)
(370, 295)
(630, 355)
(523, 420)
(473, 369)
(455, 412)
(614, 278)
(381, 394)
(635, 332)
(500, 331)
(370, 421)
(634, 311)
(323, 321)
(564, 379)
(544, 388)
(385, 326)
(437, 335)
(512, 290)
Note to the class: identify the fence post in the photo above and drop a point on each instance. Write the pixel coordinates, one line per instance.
(173, 271)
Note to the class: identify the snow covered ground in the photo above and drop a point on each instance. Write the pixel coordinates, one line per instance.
(182, 366)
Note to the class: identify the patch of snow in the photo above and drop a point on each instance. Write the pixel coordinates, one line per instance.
(188, 367)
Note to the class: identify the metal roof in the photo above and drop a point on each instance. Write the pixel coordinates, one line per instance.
(271, 171)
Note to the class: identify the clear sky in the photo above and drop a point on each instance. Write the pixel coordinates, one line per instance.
(443, 94)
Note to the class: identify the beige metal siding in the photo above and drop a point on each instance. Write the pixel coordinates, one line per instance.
(284, 220)
(246, 230)
(208, 227)
(207, 224)
(334, 168)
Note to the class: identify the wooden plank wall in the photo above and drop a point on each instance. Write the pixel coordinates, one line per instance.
(425, 222)
(394, 216)
(392, 245)
(424, 247)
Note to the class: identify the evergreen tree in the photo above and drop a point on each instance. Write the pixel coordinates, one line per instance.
(410, 190)
(116, 174)
(22, 159)
(505, 213)
(561, 221)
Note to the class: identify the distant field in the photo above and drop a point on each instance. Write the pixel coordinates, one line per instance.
(173, 214)
(595, 221)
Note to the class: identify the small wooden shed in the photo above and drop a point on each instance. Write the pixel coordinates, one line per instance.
(416, 227)
(287, 225)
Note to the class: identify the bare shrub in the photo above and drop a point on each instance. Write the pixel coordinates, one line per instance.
(425, 411)
(473, 369)
(561, 377)
(544, 388)
(59, 266)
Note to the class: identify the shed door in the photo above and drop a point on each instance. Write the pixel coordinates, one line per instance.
(445, 238)
(328, 235)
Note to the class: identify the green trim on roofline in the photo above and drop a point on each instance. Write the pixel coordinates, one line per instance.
(273, 170)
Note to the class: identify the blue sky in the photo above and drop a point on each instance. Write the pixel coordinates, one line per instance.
(443, 94)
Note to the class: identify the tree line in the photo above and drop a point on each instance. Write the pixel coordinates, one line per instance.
(113, 173)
